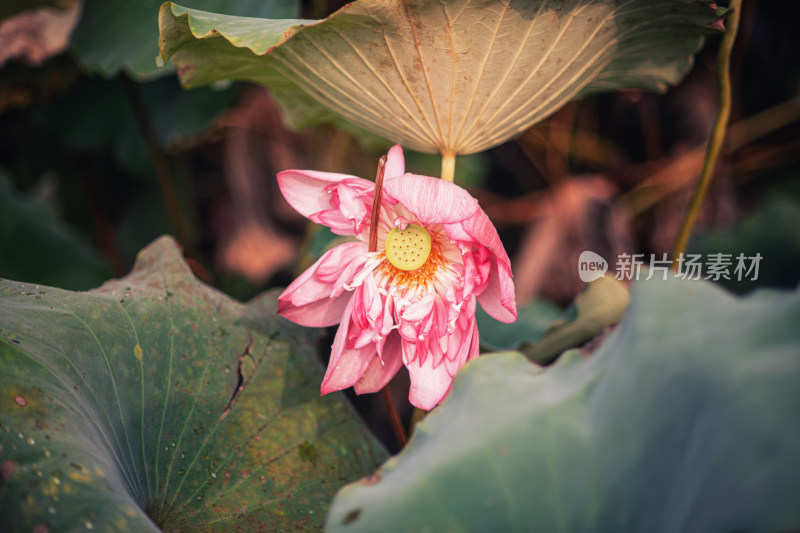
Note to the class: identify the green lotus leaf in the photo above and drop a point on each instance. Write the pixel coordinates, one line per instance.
(123, 36)
(31, 234)
(450, 77)
(158, 402)
(97, 115)
(684, 419)
(533, 321)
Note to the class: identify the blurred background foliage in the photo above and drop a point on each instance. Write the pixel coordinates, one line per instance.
(101, 152)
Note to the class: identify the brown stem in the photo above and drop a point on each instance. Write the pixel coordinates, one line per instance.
(160, 166)
(376, 206)
(103, 226)
(394, 418)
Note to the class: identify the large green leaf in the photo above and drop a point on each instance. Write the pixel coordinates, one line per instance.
(685, 419)
(31, 236)
(769, 231)
(97, 115)
(123, 36)
(532, 322)
(455, 76)
(157, 399)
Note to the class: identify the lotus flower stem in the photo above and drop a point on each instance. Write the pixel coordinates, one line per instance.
(376, 206)
(394, 417)
(717, 135)
(448, 166)
(161, 167)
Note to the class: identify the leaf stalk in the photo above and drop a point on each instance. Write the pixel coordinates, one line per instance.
(717, 135)
(448, 166)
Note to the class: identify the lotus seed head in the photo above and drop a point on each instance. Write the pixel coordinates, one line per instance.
(409, 248)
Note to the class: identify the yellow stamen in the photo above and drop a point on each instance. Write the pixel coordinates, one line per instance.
(408, 249)
(412, 279)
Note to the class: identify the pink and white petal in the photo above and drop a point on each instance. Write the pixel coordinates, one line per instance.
(316, 298)
(409, 351)
(467, 314)
(319, 314)
(341, 259)
(418, 310)
(344, 278)
(368, 306)
(437, 351)
(479, 229)
(336, 221)
(354, 204)
(305, 190)
(367, 337)
(395, 163)
(374, 303)
(378, 373)
(386, 324)
(469, 349)
(409, 331)
(431, 200)
(346, 365)
(351, 367)
(456, 345)
(498, 298)
(318, 281)
(363, 300)
(475, 347)
(472, 274)
(339, 341)
(429, 384)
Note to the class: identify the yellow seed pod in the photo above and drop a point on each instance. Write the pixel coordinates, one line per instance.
(408, 249)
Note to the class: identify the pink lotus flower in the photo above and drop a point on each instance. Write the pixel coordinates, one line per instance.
(412, 301)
